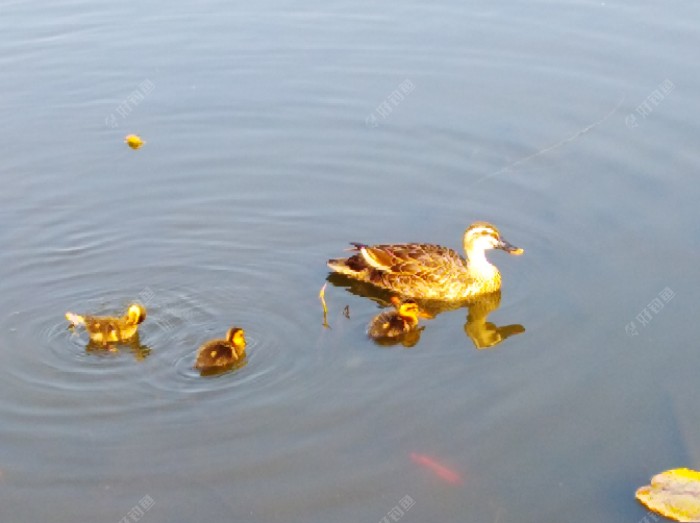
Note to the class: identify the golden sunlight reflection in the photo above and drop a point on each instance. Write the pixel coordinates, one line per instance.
(482, 333)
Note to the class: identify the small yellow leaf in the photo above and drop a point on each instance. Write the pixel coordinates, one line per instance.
(134, 141)
(674, 494)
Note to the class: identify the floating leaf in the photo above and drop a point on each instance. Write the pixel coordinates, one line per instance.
(134, 141)
(674, 494)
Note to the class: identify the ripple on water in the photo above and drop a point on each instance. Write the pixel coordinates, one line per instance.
(45, 358)
(268, 358)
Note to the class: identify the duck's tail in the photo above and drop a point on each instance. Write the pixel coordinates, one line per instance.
(338, 265)
(354, 266)
(75, 319)
(349, 266)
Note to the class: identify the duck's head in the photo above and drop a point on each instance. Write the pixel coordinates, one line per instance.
(409, 309)
(481, 236)
(236, 337)
(136, 313)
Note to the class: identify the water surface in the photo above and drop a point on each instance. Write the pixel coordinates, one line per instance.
(275, 136)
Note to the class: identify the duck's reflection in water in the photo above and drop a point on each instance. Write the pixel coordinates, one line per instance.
(408, 340)
(483, 333)
(133, 345)
(217, 371)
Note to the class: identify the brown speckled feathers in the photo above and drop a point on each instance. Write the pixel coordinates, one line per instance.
(427, 271)
(412, 269)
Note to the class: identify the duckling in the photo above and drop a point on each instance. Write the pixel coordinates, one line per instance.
(396, 323)
(427, 271)
(106, 329)
(217, 354)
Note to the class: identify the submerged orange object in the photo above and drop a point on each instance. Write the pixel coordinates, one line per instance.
(674, 494)
(134, 141)
(440, 470)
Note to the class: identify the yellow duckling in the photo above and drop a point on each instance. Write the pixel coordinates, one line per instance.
(427, 271)
(106, 329)
(396, 323)
(218, 354)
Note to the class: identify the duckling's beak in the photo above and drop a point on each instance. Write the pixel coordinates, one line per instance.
(510, 249)
(426, 315)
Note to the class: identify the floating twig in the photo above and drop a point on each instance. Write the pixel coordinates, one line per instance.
(322, 297)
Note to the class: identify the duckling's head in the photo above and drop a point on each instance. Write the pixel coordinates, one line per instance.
(409, 309)
(136, 313)
(481, 236)
(236, 337)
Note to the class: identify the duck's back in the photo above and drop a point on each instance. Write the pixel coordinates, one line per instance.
(387, 325)
(215, 353)
(414, 269)
(105, 329)
(408, 256)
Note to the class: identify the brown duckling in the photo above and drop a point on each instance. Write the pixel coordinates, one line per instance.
(396, 323)
(217, 354)
(106, 329)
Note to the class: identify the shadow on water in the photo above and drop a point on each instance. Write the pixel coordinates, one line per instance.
(483, 333)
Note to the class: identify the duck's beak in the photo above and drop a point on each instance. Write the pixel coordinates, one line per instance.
(426, 315)
(510, 249)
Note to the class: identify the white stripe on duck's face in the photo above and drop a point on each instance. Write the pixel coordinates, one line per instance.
(481, 238)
